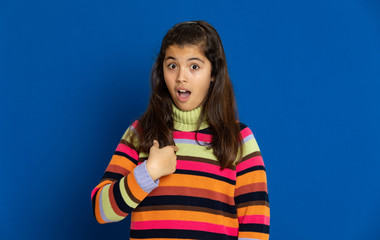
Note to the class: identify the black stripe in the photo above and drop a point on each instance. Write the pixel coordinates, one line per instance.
(204, 174)
(205, 131)
(262, 228)
(119, 199)
(242, 126)
(125, 155)
(179, 234)
(112, 175)
(251, 169)
(188, 201)
(251, 155)
(253, 196)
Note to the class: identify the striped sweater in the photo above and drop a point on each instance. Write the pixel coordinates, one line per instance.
(197, 201)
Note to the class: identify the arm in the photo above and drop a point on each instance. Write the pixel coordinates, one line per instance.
(124, 184)
(251, 194)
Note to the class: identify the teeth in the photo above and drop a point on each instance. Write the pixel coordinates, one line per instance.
(182, 90)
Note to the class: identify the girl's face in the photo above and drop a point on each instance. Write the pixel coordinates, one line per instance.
(187, 74)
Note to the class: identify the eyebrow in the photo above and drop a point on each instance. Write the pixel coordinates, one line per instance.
(190, 59)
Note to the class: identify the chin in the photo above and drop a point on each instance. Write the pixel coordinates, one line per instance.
(185, 108)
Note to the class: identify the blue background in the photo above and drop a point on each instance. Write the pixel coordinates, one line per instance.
(75, 74)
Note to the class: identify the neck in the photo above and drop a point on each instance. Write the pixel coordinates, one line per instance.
(188, 120)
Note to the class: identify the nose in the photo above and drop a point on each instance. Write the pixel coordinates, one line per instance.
(181, 77)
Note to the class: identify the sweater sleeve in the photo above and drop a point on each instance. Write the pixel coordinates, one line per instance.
(251, 193)
(120, 189)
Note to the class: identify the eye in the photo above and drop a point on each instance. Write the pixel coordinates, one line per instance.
(172, 66)
(194, 67)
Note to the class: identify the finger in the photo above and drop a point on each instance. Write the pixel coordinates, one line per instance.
(156, 144)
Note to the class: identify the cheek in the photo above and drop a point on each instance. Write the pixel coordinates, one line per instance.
(167, 80)
(169, 85)
(205, 89)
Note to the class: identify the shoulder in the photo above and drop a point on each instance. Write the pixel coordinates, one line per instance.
(245, 131)
(248, 140)
(134, 127)
(132, 133)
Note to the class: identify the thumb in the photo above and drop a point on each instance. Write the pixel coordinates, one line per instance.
(175, 148)
(156, 144)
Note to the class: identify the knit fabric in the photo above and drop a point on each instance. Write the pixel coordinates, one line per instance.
(197, 201)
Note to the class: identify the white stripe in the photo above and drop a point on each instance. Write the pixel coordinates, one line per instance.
(247, 138)
(189, 141)
(101, 206)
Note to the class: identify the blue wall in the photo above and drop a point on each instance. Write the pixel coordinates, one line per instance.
(75, 74)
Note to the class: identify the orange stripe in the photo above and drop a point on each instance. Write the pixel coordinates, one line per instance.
(185, 208)
(193, 192)
(103, 183)
(97, 209)
(122, 162)
(254, 210)
(254, 187)
(254, 235)
(134, 187)
(117, 169)
(251, 177)
(181, 215)
(178, 180)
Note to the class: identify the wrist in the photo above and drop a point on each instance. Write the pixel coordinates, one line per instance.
(152, 171)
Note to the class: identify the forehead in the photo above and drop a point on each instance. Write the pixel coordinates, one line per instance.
(184, 51)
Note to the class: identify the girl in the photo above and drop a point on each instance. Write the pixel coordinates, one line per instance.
(187, 169)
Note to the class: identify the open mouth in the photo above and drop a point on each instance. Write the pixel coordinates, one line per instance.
(183, 95)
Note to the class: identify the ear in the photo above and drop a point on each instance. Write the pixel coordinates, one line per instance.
(212, 79)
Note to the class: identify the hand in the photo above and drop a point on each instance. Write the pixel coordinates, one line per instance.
(161, 161)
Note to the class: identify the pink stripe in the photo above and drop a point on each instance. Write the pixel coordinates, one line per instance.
(93, 192)
(135, 123)
(191, 135)
(185, 225)
(127, 150)
(258, 219)
(246, 132)
(205, 167)
(254, 161)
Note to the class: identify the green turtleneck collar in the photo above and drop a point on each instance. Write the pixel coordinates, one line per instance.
(188, 120)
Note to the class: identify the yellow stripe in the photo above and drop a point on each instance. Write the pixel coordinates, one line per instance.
(125, 196)
(193, 150)
(127, 134)
(250, 147)
(107, 208)
(143, 154)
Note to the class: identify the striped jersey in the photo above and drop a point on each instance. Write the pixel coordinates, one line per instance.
(197, 201)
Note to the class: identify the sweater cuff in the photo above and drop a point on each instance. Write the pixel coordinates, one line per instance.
(143, 178)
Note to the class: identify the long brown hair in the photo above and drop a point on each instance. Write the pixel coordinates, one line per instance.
(219, 106)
